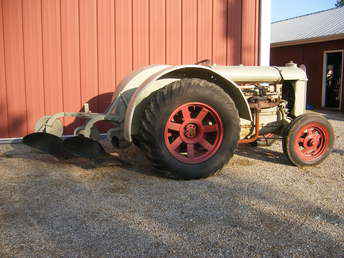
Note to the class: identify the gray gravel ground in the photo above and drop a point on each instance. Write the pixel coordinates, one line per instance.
(258, 205)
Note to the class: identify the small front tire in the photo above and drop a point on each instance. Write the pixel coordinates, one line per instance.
(309, 140)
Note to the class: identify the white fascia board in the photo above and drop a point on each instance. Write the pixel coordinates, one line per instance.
(265, 32)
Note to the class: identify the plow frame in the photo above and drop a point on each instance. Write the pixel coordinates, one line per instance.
(87, 127)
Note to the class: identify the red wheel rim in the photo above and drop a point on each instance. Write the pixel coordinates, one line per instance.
(193, 132)
(311, 141)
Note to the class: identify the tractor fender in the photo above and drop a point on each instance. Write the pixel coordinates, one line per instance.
(169, 74)
(128, 86)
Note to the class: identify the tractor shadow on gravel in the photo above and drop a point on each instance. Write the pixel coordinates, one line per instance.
(338, 151)
(331, 115)
(262, 154)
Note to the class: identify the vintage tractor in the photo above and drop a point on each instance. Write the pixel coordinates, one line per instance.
(189, 119)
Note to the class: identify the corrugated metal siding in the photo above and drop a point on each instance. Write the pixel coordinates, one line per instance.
(57, 54)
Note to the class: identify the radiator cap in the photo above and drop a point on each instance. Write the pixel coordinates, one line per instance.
(291, 64)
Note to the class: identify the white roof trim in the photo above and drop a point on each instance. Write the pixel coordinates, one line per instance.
(308, 41)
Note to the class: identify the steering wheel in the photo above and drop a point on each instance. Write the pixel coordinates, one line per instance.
(204, 62)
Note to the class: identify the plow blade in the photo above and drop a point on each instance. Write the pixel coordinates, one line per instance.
(46, 142)
(79, 146)
(84, 147)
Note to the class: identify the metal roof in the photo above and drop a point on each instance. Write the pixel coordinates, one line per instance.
(315, 25)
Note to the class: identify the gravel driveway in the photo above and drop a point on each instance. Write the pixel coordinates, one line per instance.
(258, 205)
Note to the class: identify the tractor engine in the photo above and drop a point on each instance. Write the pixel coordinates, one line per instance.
(267, 104)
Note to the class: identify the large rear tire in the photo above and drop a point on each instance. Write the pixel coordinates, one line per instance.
(309, 140)
(189, 129)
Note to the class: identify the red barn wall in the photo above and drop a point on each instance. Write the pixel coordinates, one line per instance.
(310, 55)
(56, 55)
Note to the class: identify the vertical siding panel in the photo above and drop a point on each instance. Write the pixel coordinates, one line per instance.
(32, 26)
(189, 31)
(124, 35)
(15, 73)
(220, 32)
(313, 55)
(234, 32)
(204, 30)
(157, 22)
(52, 56)
(70, 59)
(282, 55)
(106, 52)
(248, 32)
(140, 33)
(173, 31)
(3, 91)
(88, 52)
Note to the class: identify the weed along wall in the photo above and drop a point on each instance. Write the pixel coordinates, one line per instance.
(56, 55)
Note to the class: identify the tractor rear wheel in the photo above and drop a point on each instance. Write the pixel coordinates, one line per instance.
(309, 140)
(189, 129)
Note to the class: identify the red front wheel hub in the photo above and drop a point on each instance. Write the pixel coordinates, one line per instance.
(193, 132)
(312, 141)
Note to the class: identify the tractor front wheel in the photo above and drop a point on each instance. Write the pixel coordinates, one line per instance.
(309, 140)
(189, 129)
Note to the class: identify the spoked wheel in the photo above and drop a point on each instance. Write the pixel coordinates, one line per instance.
(193, 132)
(189, 129)
(309, 140)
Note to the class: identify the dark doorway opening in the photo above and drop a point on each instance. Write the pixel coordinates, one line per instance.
(333, 79)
